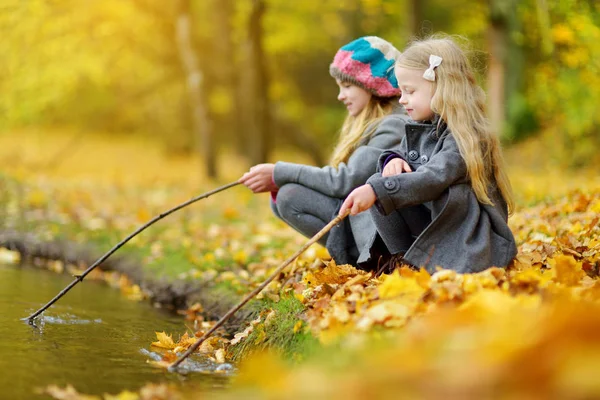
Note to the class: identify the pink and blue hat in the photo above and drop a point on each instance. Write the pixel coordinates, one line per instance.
(368, 62)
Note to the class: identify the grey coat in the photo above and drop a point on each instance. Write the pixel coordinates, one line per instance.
(354, 232)
(464, 234)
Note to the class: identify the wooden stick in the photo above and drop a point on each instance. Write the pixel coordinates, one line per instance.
(250, 295)
(79, 278)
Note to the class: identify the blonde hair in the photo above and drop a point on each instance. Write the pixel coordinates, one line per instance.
(361, 127)
(460, 102)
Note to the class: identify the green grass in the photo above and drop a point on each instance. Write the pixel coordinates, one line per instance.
(285, 333)
(278, 333)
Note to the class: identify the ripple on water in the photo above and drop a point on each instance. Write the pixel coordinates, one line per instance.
(192, 364)
(91, 339)
(67, 319)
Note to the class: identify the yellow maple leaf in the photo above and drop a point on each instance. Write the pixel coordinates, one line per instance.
(238, 337)
(340, 312)
(566, 269)
(387, 310)
(209, 345)
(333, 273)
(220, 356)
(489, 303)
(395, 285)
(186, 340)
(164, 341)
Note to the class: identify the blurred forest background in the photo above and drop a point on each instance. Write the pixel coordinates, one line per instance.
(251, 76)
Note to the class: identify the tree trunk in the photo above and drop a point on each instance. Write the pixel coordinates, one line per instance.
(201, 122)
(415, 18)
(258, 118)
(229, 71)
(543, 16)
(497, 43)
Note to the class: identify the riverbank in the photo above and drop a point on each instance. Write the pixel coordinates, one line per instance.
(230, 243)
(78, 207)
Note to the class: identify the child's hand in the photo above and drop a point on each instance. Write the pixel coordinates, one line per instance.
(359, 200)
(395, 166)
(260, 178)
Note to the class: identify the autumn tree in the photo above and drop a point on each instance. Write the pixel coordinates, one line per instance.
(257, 115)
(202, 125)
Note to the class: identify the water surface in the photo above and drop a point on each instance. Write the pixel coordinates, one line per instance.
(92, 338)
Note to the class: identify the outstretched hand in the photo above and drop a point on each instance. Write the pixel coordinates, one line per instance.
(359, 200)
(395, 166)
(260, 178)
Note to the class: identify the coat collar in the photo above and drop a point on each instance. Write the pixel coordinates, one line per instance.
(435, 127)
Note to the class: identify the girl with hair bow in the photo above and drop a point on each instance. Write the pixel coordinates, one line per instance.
(442, 199)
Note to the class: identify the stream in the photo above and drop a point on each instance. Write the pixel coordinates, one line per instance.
(93, 338)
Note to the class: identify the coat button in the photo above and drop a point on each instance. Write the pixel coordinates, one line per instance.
(424, 159)
(389, 185)
(413, 155)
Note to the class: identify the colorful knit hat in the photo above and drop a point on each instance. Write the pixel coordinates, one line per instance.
(368, 62)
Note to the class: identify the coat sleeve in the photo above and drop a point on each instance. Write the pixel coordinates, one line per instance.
(338, 182)
(426, 183)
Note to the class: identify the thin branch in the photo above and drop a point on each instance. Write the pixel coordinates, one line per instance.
(79, 278)
(250, 295)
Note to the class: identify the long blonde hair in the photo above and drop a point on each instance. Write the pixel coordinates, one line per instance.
(361, 127)
(460, 102)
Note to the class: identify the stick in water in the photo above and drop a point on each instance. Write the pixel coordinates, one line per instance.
(79, 278)
(250, 295)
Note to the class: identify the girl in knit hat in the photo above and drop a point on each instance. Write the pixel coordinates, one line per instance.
(443, 197)
(307, 197)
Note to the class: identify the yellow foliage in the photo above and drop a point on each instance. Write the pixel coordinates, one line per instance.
(164, 341)
(546, 299)
(566, 270)
(395, 285)
(37, 199)
(143, 215)
(562, 34)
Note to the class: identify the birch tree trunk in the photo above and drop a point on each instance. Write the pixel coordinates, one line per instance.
(201, 122)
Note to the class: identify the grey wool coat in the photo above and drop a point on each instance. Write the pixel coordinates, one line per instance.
(464, 234)
(346, 240)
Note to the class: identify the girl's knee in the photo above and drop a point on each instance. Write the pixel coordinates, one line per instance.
(287, 199)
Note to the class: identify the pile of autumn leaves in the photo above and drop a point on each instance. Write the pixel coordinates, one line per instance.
(530, 329)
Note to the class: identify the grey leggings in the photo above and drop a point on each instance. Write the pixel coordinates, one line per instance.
(401, 227)
(304, 209)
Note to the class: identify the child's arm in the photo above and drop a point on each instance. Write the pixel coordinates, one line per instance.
(338, 182)
(427, 183)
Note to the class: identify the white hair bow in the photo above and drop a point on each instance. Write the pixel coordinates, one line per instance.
(429, 73)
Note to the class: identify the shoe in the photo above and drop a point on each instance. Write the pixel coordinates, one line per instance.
(388, 264)
(377, 252)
